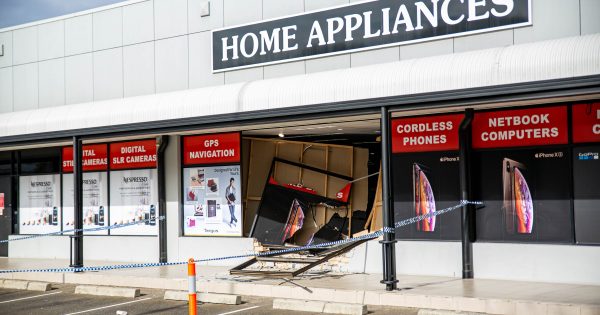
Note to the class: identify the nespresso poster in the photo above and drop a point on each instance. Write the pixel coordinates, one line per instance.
(95, 202)
(39, 204)
(526, 189)
(134, 198)
(425, 174)
(212, 201)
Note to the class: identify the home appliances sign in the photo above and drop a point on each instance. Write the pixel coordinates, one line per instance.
(366, 25)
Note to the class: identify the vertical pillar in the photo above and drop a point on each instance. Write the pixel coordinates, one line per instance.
(163, 142)
(467, 212)
(77, 260)
(389, 237)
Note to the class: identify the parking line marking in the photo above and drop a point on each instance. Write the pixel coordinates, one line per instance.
(109, 306)
(30, 297)
(244, 309)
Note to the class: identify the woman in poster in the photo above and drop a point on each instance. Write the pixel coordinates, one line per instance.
(230, 196)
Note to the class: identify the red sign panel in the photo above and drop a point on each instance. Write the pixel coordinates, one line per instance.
(133, 154)
(220, 148)
(521, 127)
(425, 134)
(95, 158)
(586, 123)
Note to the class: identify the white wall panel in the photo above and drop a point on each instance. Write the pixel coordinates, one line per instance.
(551, 19)
(427, 49)
(244, 75)
(172, 64)
(6, 89)
(138, 22)
(25, 45)
(51, 40)
(108, 74)
(138, 69)
(121, 248)
(6, 40)
(204, 23)
(483, 41)
(242, 11)
(320, 4)
(280, 8)
(590, 20)
(200, 72)
(108, 29)
(170, 18)
(376, 56)
(79, 83)
(285, 69)
(327, 63)
(25, 87)
(52, 82)
(78, 35)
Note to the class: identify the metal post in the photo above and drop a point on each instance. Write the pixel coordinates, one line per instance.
(163, 142)
(389, 238)
(467, 212)
(78, 203)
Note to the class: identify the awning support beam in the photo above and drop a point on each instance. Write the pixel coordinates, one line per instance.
(467, 212)
(77, 238)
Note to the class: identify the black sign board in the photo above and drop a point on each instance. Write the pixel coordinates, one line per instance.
(361, 26)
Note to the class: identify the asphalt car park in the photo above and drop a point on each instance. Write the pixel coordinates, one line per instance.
(62, 300)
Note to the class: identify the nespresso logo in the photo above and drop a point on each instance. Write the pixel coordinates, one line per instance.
(135, 179)
(90, 181)
(41, 184)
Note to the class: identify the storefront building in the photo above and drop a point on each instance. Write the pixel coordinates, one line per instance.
(206, 125)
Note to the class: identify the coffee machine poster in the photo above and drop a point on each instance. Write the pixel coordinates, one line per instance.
(134, 199)
(95, 202)
(425, 175)
(522, 174)
(212, 201)
(39, 204)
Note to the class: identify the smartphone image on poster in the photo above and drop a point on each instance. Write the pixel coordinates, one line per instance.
(212, 208)
(517, 204)
(424, 201)
(55, 216)
(294, 222)
(152, 215)
(101, 215)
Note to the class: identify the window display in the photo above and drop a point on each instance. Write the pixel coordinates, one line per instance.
(39, 204)
(425, 174)
(522, 163)
(95, 202)
(134, 188)
(212, 188)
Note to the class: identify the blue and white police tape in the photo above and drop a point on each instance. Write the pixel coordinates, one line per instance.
(101, 228)
(260, 254)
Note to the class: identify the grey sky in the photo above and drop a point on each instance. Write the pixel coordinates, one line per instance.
(15, 12)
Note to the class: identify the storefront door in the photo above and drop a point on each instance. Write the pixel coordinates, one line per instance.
(5, 213)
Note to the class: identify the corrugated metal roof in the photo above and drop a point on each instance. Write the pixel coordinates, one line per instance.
(555, 59)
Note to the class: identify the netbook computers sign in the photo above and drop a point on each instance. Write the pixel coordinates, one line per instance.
(360, 26)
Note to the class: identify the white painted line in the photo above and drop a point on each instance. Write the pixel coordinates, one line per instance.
(30, 297)
(244, 309)
(109, 306)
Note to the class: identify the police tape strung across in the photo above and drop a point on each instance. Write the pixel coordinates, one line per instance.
(115, 226)
(261, 254)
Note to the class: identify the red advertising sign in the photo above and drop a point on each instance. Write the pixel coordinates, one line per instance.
(425, 134)
(520, 127)
(95, 158)
(133, 154)
(220, 148)
(586, 122)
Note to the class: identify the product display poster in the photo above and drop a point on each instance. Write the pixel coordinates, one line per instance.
(527, 195)
(39, 204)
(425, 175)
(95, 202)
(586, 172)
(212, 201)
(134, 198)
